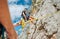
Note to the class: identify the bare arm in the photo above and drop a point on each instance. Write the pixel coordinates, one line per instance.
(5, 19)
(17, 24)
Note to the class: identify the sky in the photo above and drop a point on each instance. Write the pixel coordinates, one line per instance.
(15, 9)
(20, 2)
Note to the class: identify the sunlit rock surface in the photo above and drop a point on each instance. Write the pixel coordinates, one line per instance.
(48, 24)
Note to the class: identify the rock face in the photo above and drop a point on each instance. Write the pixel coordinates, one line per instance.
(48, 24)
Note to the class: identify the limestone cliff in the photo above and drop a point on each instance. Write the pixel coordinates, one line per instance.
(48, 24)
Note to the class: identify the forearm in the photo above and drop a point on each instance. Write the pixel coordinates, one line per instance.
(6, 21)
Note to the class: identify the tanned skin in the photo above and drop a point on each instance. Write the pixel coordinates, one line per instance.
(6, 20)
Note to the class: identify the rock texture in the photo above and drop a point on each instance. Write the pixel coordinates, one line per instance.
(48, 24)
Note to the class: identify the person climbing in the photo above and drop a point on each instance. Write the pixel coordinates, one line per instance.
(25, 17)
(5, 20)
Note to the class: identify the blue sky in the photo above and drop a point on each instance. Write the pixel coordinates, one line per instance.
(23, 2)
(20, 2)
(16, 7)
